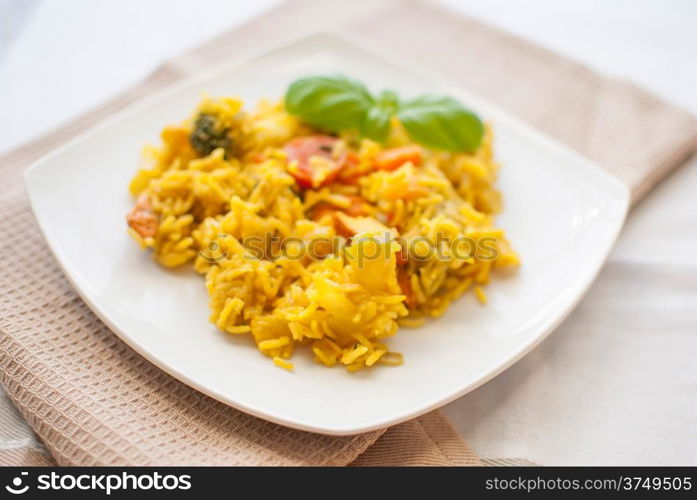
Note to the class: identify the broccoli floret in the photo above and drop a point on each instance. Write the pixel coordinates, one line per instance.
(208, 136)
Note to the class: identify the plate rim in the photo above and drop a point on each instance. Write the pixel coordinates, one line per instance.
(621, 192)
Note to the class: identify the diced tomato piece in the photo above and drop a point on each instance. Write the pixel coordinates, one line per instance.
(258, 158)
(351, 180)
(313, 175)
(142, 219)
(352, 158)
(393, 158)
(353, 170)
(405, 284)
(402, 258)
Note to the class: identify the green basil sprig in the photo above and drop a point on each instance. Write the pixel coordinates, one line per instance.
(337, 103)
(331, 103)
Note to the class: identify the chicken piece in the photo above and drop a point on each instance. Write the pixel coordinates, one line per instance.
(348, 226)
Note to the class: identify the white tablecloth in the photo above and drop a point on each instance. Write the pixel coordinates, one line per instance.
(617, 382)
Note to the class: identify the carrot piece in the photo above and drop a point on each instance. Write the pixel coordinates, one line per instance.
(391, 159)
(406, 193)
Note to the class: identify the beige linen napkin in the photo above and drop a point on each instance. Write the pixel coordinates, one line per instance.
(94, 401)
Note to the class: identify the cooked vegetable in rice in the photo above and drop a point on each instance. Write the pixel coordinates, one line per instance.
(325, 232)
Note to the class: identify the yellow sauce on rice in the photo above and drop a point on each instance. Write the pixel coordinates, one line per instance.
(239, 217)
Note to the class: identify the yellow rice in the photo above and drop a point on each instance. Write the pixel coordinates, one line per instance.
(336, 304)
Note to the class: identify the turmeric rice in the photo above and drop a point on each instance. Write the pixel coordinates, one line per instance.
(317, 241)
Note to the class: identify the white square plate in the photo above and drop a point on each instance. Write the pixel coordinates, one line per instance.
(562, 214)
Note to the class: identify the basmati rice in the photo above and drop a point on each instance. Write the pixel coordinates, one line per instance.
(240, 218)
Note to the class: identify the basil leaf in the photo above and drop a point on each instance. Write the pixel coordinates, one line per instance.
(376, 125)
(441, 123)
(378, 119)
(388, 99)
(330, 102)
(336, 103)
